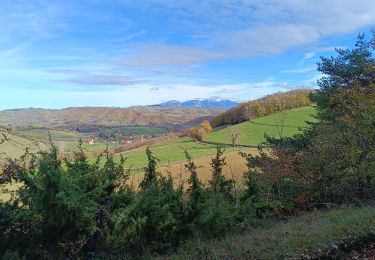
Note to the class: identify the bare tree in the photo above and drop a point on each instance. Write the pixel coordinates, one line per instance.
(235, 135)
(280, 125)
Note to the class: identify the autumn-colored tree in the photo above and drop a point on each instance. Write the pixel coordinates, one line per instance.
(199, 132)
(264, 106)
(206, 126)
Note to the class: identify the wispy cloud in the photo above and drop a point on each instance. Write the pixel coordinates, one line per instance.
(105, 80)
(151, 51)
(309, 55)
(29, 19)
(300, 70)
(134, 35)
(157, 55)
(269, 31)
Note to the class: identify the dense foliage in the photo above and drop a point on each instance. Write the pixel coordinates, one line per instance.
(79, 209)
(334, 159)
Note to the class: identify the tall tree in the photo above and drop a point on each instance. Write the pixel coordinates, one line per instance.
(342, 153)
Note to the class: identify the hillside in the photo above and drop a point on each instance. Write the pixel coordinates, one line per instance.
(284, 123)
(250, 133)
(70, 118)
(267, 105)
(16, 146)
(170, 152)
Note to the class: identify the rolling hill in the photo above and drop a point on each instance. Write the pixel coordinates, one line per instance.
(170, 152)
(16, 146)
(250, 133)
(286, 123)
(72, 118)
(264, 106)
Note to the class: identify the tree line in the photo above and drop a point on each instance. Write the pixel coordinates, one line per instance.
(262, 107)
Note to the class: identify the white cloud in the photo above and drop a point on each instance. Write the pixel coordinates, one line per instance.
(309, 55)
(300, 70)
(29, 19)
(232, 29)
(104, 80)
(153, 94)
(312, 81)
(266, 40)
(164, 55)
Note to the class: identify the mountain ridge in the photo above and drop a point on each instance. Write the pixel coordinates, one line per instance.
(200, 103)
(69, 118)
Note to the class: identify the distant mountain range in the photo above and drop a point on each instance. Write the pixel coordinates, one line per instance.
(74, 117)
(201, 103)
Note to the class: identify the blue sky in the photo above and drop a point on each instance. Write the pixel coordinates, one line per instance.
(56, 54)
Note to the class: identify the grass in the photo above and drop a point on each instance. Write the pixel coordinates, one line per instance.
(252, 133)
(306, 233)
(69, 146)
(170, 152)
(234, 169)
(134, 130)
(16, 146)
(42, 134)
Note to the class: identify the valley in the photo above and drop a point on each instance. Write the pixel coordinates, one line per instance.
(187, 129)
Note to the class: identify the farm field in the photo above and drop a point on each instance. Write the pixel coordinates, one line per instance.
(234, 169)
(249, 134)
(170, 152)
(285, 123)
(42, 134)
(72, 146)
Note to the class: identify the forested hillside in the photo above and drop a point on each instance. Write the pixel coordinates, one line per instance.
(265, 106)
(70, 118)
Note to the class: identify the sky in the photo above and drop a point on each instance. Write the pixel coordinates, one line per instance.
(56, 54)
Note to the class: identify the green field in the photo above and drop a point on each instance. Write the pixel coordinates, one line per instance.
(250, 133)
(285, 123)
(42, 134)
(132, 130)
(72, 146)
(170, 152)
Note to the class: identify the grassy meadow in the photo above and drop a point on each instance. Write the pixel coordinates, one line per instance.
(285, 123)
(42, 134)
(171, 152)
